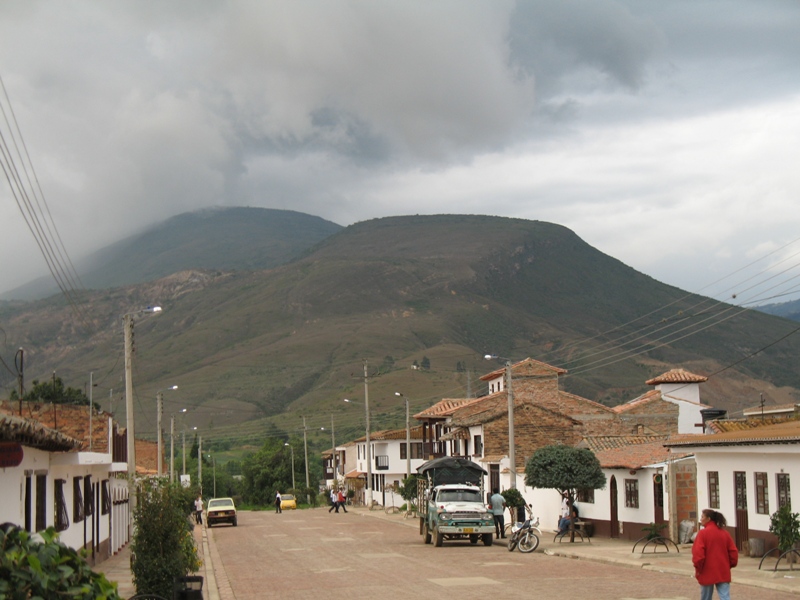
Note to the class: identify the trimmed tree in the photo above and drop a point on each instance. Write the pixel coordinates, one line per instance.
(566, 469)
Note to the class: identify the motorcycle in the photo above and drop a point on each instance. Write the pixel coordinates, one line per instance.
(523, 535)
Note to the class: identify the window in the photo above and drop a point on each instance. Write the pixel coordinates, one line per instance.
(61, 512)
(762, 494)
(456, 448)
(416, 450)
(632, 493)
(784, 495)
(740, 489)
(77, 500)
(41, 502)
(586, 495)
(713, 489)
(478, 446)
(88, 496)
(105, 498)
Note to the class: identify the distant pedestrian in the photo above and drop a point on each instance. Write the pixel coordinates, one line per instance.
(198, 510)
(714, 555)
(497, 506)
(334, 501)
(278, 502)
(342, 500)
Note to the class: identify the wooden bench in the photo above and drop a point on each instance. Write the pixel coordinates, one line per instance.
(580, 530)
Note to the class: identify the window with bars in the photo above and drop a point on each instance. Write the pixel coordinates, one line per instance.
(713, 489)
(762, 494)
(784, 493)
(585, 495)
(77, 499)
(632, 493)
(41, 502)
(416, 450)
(105, 498)
(61, 512)
(740, 489)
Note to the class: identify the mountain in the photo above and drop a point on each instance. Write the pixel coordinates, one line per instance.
(255, 351)
(787, 310)
(239, 238)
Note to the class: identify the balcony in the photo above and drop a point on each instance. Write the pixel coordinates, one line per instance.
(382, 462)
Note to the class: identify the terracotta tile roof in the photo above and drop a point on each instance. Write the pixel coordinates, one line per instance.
(677, 376)
(493, 458)
(70, 419)
(634, 456)
(34, 435)
(457, 433)
(355, 474)
(526, 368)
(636, 402)
(786, 432)
(444, 408)
(596, 443)
(486, 409)
(146, 461)
(389, 434)
(723, 425)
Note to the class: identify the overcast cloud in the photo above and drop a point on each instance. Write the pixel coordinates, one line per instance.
(663, 133)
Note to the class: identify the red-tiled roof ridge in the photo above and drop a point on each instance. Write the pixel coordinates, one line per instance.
(723, 425)
(646, 397)
(606, 442)
(775, 433)
(581, 399)
(677, 376)
(773, 408)
(30, 432)
(528, 363)
(634, 456)
(445, 407)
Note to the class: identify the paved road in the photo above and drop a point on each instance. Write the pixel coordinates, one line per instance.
(314, 554)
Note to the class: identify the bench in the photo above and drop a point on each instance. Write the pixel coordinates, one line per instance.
(582, 530)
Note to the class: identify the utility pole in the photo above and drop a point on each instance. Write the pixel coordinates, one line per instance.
(511, 456)
(171, 448)
(200, 462)
(369, 451)
(21, 377)
(127, 324)
(333, 446)
(91, 405)
(305, 450)
(183, 434)
(159, 401)
(408, 442)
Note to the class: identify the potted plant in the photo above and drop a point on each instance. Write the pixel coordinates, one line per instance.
(653, 530)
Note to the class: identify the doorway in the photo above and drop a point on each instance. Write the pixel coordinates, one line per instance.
(614, 519)
(740, 493)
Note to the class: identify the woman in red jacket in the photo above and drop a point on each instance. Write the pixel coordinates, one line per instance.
(714, 555)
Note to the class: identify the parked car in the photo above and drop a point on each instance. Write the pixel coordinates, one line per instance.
(221, 510)
(288, 501)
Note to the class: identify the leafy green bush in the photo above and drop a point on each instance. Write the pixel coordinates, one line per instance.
(47, 569)
(786, 525)
(163, 545)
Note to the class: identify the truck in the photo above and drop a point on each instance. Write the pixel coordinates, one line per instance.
(450, 502)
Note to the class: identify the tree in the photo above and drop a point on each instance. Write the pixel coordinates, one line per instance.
(54, 392)
(163, 545)
(786, 525)
(46, 568)
(566, 469)
(426, 363)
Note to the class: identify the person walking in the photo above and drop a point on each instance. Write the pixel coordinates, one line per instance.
(342, 500)
(497, 506)
(714, 555)
(334, 501)
(198, 510)
(278, 502)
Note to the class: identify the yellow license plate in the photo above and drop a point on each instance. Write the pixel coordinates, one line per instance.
(468, 529)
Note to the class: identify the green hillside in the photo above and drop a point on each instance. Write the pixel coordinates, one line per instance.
(253, 352)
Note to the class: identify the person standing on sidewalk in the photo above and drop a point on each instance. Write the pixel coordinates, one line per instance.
(714, 555)
(198, 510)
(278, 502)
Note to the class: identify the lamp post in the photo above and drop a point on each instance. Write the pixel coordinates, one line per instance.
(184, 449)
(408, 437)
(511, 457)
(159, 408)
(127, 330)
(292, 449)
(214, 471)
(368, 452)
(333, 456)
(172, 445)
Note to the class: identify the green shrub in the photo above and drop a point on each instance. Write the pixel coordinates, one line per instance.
(786, 525)
(47, 569)
(163, 545)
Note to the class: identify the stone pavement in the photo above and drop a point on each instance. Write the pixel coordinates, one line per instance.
(619, 552)
(118, 568)
(602, 550)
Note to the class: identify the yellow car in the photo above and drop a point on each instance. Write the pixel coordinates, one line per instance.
(288, 501)
(221, 510)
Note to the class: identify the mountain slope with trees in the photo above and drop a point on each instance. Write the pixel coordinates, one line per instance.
(255, 351)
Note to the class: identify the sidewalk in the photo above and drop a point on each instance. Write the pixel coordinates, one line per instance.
(619, 552)
(118, 568)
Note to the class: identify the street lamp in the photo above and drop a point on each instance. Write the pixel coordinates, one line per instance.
(160, 405)
(127, 331)
(172, 445)
(214, 471)
(184, 448)
(511, 457)
(292, 449)
(368, 453)
(408, 437)
(333, 448)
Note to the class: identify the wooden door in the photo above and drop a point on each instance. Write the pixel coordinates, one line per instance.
(740, 493)
(658, 499)
(614, 518)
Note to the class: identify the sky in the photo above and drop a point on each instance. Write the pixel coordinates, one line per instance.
(665, 134)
